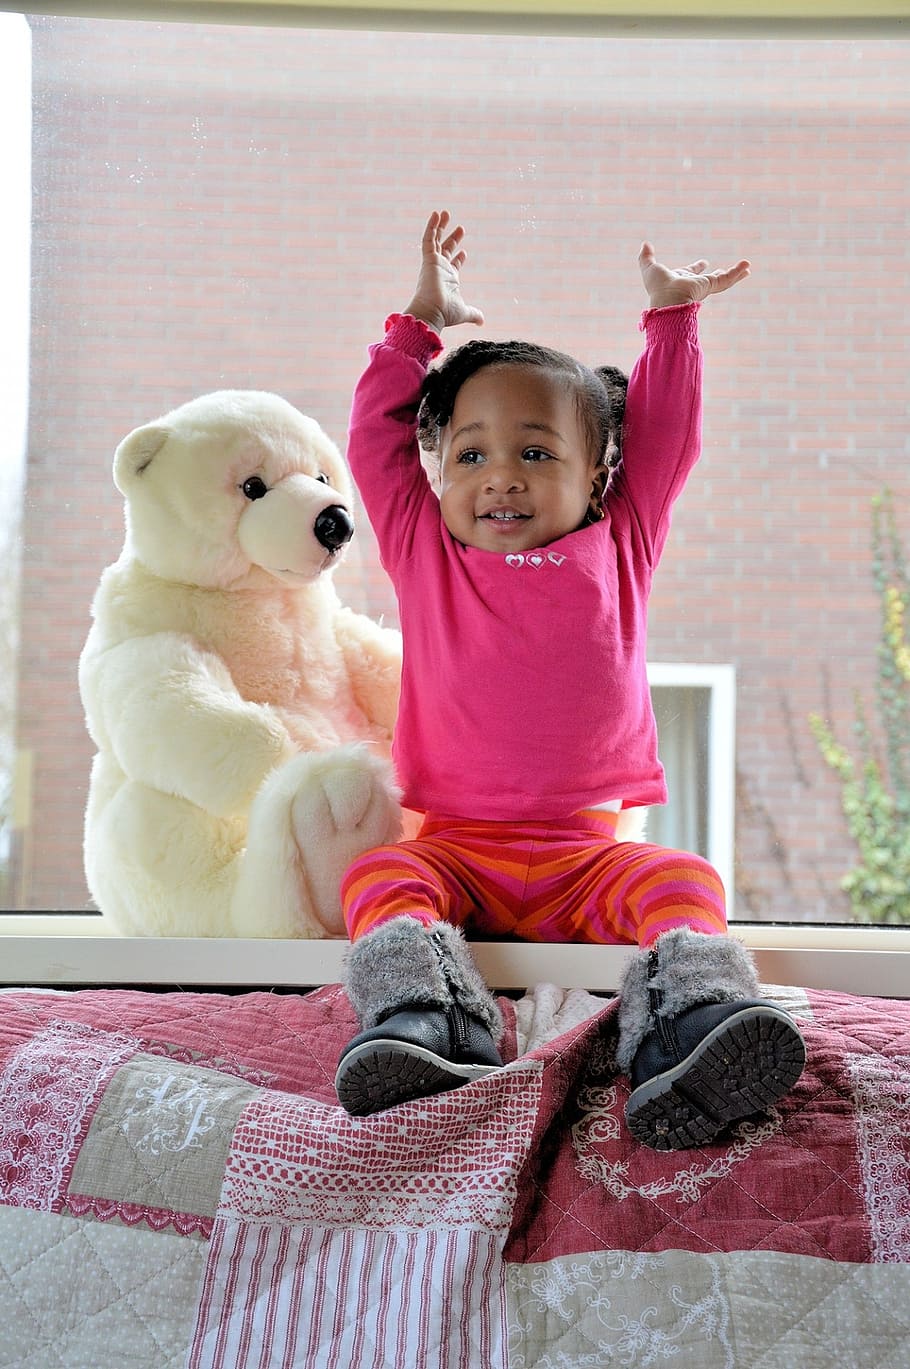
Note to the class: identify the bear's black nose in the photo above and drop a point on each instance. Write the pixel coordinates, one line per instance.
(333, 527)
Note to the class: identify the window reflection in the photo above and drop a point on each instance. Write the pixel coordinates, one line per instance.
(219, 206)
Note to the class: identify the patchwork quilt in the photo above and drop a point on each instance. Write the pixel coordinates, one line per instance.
(179, 1187)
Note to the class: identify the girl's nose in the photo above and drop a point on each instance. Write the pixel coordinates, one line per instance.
(503, 477)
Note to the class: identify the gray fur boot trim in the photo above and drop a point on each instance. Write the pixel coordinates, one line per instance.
(691, 968)
(403, 964)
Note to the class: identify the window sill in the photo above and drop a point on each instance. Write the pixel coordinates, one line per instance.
(56, 949)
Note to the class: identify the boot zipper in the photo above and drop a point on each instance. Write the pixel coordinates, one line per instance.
(456, 1017)
(664, 1026)
(459, 1025)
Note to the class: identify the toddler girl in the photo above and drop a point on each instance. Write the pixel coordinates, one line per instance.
(525, 722)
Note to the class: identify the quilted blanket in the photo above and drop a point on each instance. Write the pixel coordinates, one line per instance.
(178, 1187)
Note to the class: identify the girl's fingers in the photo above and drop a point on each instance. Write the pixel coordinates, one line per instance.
(452, 242)
(428, 242)
(722, 280)
(437, 241)
(435, 227)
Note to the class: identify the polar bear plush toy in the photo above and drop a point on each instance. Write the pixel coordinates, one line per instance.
(242, 715)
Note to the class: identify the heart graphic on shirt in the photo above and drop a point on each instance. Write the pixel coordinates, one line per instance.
(555, 558)
(536, 560)
(515, 559)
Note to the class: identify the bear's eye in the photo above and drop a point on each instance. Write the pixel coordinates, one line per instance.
(254, 487)
(323, 478)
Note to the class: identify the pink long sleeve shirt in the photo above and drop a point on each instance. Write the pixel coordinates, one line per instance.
(524, 687)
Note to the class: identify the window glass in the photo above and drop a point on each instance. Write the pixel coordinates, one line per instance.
(219, 206)
(682, 727)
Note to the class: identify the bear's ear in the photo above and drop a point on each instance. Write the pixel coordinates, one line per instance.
(135, 453)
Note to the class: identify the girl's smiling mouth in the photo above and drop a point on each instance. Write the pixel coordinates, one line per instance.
(504, 516)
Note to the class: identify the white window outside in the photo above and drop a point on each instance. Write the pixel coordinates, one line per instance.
(695, 708)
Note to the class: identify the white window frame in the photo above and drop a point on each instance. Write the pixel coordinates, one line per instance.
(650, 18)
(848, 959)
(720, 682)
(68, 949)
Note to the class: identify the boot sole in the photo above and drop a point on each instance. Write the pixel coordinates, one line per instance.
(380, 1074)
(742, 1067)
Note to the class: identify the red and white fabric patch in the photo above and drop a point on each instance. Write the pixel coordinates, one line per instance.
(50, 1088)
(361, 1241)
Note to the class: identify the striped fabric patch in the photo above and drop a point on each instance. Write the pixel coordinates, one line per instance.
(368, 1242)
(278, 1297)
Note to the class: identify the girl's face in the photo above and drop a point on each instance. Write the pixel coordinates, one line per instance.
(516, 469)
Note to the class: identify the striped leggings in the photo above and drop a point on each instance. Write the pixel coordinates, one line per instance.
(566, 880)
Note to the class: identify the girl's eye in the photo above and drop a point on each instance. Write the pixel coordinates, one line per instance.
(535, 454)
(469, 458)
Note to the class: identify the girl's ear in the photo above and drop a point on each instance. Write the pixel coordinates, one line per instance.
(595, 511)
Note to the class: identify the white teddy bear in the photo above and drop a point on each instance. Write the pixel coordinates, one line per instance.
(242, 715)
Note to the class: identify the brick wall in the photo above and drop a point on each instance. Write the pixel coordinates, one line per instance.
(240, 207)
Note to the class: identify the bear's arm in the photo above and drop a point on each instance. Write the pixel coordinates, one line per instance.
(372, 658)
(169, 713)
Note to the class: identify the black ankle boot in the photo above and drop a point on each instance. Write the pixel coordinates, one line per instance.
(701, 1048)
(413, 1053)
(710, 1066)
(429, 1021)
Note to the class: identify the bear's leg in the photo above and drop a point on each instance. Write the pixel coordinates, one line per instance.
(313, 816)
(157, 865)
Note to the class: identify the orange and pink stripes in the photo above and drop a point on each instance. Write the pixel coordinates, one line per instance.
(567, 880)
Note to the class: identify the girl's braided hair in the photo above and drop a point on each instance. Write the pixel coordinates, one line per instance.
(600, 394)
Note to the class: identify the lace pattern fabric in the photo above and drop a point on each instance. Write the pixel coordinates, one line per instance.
(48, 1090)
(442, 1162)
(881, 1090)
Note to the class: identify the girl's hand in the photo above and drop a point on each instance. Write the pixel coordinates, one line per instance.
(684, 284)
(437, 296)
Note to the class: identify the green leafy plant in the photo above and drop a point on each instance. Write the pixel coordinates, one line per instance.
(875, 788)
